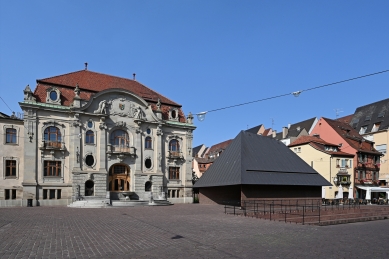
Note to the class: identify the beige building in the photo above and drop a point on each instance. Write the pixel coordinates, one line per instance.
(11, 162)
(94, 136)
(330, 162)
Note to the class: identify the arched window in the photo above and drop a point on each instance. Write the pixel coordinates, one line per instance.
(174, 145)
(90, 137)
(120, 141)
(10, 135)
(148, 142)
(52, 137)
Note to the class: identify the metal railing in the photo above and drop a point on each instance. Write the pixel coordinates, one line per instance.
(293, 210)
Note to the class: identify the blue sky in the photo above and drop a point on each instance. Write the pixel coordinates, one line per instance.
(207, 55)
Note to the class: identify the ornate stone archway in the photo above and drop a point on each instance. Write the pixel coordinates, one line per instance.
(119, 178)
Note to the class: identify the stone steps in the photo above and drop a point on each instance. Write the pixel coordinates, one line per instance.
(93, 203)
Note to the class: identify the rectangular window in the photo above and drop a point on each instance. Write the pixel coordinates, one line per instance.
(337, 162)
(173, 193)
(174, 173)
(52, 193)
(351, 163)
(44, 194)
(7, 194)
(13, 194)
(58, 194)
(343, 163)
(52, 168)
(10, 168)
(10, 136)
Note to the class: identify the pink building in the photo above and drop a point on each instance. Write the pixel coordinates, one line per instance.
(366, 159)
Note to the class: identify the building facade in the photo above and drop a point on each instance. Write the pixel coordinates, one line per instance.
(94, 135)
(366, 158)
(330, 162)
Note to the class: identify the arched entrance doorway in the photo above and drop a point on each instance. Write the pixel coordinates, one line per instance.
(89, 188)
(119, 178)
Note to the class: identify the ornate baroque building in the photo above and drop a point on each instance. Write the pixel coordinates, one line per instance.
(92, 134)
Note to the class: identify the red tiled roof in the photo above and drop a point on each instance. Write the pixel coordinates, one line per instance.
(219, 146)
(322, 148)
(318, 144)
(266, 132)
(345, 119)
(308, 139)
(351, 136)
(91, 82)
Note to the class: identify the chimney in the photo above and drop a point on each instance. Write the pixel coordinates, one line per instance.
(133, 76)
(274, 133)
(284, 132)
(86, 65)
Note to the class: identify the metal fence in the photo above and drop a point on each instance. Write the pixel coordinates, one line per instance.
(298, 211)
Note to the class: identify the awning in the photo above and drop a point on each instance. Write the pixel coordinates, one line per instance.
(372, 189)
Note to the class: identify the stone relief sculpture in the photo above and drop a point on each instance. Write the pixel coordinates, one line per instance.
(138, 113)
(102, 106)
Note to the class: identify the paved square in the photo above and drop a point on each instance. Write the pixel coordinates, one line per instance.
(178, 231)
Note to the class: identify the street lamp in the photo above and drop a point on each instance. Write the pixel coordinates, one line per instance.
(201, 116)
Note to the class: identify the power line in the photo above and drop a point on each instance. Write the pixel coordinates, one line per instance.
(297, 93)
(6, 104)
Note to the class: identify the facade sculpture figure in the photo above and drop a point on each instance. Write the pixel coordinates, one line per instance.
(158, 105)
(138, 113)
(102, 106)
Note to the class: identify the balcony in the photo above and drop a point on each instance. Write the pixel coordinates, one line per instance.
(175, 154)
(47, 144)
(118, 149)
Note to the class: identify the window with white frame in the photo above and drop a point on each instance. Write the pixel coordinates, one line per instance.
(376, 127)
(363, 130)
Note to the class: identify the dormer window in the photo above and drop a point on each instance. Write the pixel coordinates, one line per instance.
(53, 96)
(376, 127)
(363, 130)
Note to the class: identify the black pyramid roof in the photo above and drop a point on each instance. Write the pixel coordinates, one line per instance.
(259, 160)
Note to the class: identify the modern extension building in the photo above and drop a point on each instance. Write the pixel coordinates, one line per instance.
(258, 167)
(95, 135)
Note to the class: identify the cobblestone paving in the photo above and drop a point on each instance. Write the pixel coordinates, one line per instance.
(179, 231)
